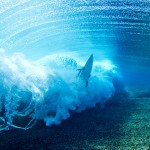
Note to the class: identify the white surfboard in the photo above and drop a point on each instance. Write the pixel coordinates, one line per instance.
(86, 70)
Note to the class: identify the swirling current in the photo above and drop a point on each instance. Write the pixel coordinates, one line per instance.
(49, 89)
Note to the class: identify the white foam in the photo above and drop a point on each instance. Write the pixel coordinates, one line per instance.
(48, 89)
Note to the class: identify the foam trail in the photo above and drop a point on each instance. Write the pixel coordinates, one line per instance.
(48, 89)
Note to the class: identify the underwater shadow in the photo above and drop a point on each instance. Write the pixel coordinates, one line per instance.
(96, 126)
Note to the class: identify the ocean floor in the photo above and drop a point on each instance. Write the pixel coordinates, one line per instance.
(123, 124)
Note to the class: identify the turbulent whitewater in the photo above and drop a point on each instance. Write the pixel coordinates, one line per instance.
(49, 89)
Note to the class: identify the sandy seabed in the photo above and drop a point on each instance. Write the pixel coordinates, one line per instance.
(123, 124)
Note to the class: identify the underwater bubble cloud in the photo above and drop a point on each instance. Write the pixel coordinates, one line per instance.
(48, 89)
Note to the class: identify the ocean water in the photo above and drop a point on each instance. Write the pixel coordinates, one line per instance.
(45, 43)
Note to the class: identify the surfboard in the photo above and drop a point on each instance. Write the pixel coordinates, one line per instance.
(86, 70)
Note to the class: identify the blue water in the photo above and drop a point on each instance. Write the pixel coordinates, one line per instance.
(44, 43)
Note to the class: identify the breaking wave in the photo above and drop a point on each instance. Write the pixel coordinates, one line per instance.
(49, 89)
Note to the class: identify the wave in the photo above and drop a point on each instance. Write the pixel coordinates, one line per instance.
(49, 89)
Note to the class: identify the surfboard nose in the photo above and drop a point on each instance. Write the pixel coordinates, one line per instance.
(91, 57)
(86, 71)
(90, 60)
